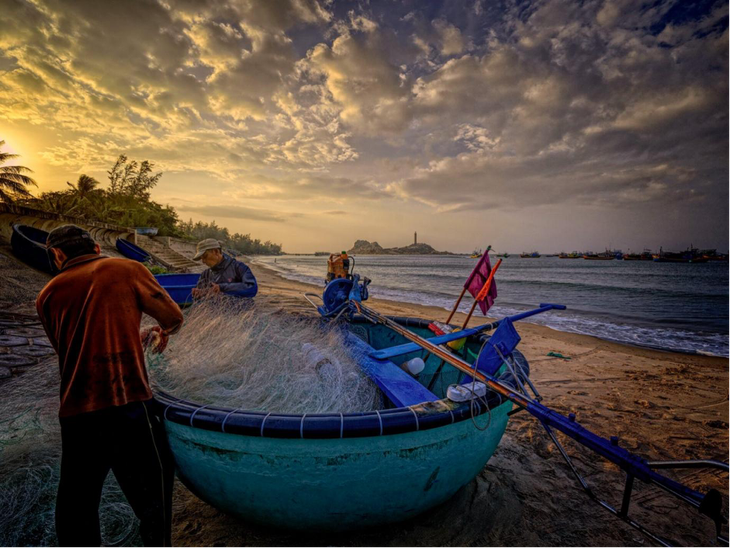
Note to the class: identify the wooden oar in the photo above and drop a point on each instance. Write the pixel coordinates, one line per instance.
(632, 464)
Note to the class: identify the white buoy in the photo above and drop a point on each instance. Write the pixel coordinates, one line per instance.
(414, 366)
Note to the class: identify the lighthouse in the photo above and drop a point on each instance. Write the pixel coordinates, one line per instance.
(415, 238)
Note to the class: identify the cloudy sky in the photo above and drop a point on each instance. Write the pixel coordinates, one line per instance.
(551, 125)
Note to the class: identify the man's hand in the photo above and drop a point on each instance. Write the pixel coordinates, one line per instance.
(154, 338)
(214, 289)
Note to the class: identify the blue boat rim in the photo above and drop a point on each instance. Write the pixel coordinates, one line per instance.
(385, 422)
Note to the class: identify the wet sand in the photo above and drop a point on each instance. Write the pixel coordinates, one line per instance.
(662, 406)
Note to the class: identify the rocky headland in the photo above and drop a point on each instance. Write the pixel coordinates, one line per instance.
(363, 247)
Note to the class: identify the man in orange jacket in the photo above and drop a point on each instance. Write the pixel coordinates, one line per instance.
(91, 312)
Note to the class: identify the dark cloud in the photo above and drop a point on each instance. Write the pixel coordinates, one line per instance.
(456, 106)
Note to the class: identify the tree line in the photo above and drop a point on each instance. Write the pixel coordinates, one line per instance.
(125, 202)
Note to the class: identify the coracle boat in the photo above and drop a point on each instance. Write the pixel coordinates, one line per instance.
(131, 251)
(29, 245)
(345, 471)
(179, 286)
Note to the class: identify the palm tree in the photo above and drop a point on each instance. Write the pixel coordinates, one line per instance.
(12, 180)
(84, 186)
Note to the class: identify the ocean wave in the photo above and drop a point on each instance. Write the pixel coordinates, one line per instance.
(652, 331)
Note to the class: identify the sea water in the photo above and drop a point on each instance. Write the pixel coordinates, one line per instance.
(670, 306)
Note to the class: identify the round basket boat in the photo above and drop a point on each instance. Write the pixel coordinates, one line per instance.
(29, 245)
(341, 471)
(131, 251)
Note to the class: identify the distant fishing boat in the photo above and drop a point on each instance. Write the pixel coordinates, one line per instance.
(691, 255)
(713, 255)
(533, 255)
(29, 245)
(476, 254)
(342, 471)
(573, 255)
(605, 256)
(644, 256)
(131, 251)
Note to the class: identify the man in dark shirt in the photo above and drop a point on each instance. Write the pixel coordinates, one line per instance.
(91, 312)
(224, 274)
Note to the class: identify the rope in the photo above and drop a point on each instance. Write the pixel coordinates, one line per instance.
(482, 399)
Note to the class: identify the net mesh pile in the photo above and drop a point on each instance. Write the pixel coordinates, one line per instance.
(227, 354)
(30, 458)
(231, 353)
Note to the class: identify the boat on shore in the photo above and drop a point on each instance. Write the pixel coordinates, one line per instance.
(179, 286)
(29, 245)
(337, 471)
(131, 251)
(343, 471)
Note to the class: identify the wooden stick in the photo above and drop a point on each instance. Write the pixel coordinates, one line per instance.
(468, 281)
(483, 292)
(456, 305)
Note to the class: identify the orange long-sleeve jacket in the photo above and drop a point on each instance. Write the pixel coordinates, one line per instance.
(91, 312)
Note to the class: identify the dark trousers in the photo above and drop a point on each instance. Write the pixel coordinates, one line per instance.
(130, 441)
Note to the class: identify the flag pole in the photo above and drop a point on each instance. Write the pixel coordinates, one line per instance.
(468, 281)
(483, 292)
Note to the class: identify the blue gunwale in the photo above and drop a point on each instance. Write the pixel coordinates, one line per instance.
(411, 418)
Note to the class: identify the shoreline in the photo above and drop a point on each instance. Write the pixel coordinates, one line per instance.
(439, 313)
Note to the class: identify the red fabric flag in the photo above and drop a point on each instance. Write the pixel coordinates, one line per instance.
(475, 282)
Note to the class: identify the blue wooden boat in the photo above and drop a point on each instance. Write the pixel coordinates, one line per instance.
(29, 245)
(179, 286)
(131, 251)
(342, 471)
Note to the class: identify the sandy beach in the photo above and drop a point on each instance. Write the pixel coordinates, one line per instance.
(661, 405)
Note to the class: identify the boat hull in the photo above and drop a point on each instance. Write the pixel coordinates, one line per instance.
(131, 251)
(179, 286)
(334, 484)
(29, 245)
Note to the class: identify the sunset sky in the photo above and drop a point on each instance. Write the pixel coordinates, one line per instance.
(552, 125)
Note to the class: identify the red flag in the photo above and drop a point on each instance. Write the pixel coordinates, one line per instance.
(476, 280)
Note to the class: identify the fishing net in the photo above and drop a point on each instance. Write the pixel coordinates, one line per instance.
(233, 353)
(30, 457)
